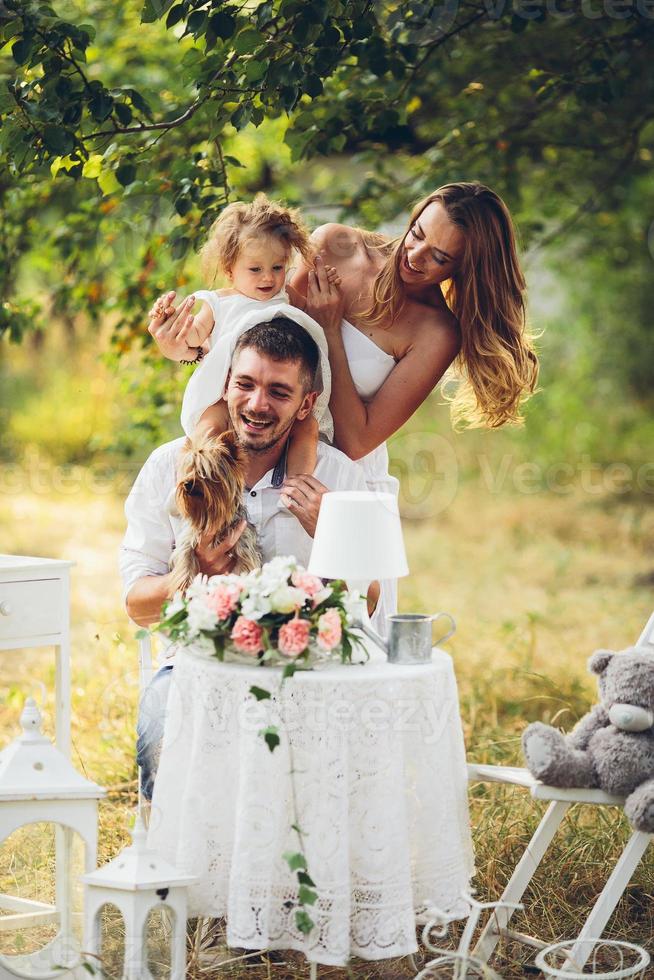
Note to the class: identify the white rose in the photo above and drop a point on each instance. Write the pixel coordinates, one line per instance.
(254, 606)
(197, 588)
(286, 598)
(200, 617)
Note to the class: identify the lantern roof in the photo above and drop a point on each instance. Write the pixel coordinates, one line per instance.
(138, 868)
(32, 768)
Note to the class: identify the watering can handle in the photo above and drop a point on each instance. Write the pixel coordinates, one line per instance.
(447, 635)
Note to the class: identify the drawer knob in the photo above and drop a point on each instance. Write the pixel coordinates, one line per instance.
(5, 608)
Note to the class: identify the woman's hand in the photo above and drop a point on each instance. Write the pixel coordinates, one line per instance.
(325, 301)
(171, 326)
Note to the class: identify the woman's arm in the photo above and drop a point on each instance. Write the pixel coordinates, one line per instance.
(360, 427)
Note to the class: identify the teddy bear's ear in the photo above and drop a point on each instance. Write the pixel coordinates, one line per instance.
(600, 661)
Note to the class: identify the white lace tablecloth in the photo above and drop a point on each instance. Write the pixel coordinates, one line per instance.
(380, 793)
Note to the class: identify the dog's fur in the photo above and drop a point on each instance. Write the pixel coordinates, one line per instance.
(209, 496)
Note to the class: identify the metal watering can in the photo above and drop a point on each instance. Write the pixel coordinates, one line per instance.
(409, 636)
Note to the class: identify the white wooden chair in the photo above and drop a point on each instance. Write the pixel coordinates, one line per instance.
(560, 801)
(146, 670)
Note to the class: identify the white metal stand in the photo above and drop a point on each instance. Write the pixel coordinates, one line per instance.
(560, 802)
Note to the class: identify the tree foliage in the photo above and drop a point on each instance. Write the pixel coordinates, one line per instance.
(119, 124)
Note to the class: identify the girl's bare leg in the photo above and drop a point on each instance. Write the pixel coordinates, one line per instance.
(303, 447)
(214, 420)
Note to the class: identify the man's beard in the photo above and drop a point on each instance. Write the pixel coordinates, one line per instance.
(276, 435)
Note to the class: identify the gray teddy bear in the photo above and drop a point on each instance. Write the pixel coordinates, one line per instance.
(612, 747)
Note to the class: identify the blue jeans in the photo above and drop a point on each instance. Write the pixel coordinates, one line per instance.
(150, 728)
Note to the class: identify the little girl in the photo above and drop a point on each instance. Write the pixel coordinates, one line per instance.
(251, 245)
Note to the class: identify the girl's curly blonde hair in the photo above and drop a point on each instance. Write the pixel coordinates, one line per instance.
(240, 223)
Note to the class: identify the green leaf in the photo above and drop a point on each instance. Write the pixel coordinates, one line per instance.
(232, 161)
(313, 86)
(22, 50)
(126, 174)
(100, 105)
(255, 70)
(303, 921)
(180, 247)
(295, 860)
(259, 693)
(57, 140)
(123, 112)
(223, 24)
(154, 10)
(196, 22)
(139, 102)
(107, 182)
(305, 879)
(175, 14)
(247, 40)
(271, 737)
(62, 163)
(289, 670)
(307, 896)
(241, 117)
(182, 205)
(93, 166)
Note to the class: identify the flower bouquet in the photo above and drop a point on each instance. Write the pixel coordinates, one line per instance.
(277, 614)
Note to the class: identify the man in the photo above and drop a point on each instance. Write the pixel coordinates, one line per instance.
(270, 385)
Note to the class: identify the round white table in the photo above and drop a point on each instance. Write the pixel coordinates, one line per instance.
(380, 787)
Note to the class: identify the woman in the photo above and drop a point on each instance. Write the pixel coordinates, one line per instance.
(393, 307)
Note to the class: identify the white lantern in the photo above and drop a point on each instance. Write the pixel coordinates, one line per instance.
(38, 784)
(138, 881)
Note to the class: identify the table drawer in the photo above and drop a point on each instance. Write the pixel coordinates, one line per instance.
(30, 609)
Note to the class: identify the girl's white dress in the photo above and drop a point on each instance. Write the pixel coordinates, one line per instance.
(369, 366)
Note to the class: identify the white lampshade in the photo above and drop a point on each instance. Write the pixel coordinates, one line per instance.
(358, 537)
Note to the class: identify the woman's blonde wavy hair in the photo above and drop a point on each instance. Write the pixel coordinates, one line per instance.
(497, 366)
(240, 223)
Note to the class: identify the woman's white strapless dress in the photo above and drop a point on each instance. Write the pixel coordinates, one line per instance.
(368, 363)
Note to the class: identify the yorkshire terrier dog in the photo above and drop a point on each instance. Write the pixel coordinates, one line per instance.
(209, 496)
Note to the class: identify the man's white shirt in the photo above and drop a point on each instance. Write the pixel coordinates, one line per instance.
(152, 529)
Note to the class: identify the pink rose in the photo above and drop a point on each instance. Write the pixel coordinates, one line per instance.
(222, 601)
(294, 637)
(309, 583)
(329, 629)
(247, 636)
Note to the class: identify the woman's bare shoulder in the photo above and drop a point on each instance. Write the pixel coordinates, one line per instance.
(424, 324)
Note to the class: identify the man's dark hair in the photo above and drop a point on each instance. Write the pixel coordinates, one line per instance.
(282, 339)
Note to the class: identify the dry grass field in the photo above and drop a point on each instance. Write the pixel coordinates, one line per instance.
(536, 581)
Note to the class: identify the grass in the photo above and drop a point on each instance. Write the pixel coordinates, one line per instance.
(535, 581)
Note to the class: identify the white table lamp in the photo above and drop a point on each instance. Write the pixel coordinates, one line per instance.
(359, 538)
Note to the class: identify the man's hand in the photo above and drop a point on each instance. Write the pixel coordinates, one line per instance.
(170, 327)
(303, 496)
(325, 301)
(218, 560)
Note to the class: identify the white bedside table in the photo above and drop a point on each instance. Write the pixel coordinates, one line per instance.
(35, 612)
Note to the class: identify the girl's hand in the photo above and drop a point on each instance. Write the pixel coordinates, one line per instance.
(332, 276)
(325, 301)
(171, 326)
